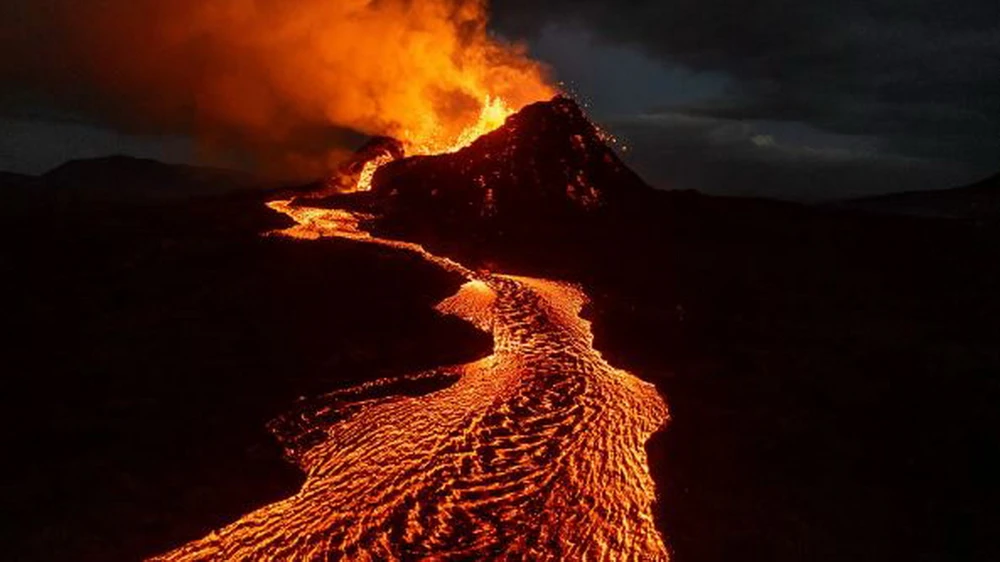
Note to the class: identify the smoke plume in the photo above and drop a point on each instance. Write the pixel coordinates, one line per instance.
(281, 79)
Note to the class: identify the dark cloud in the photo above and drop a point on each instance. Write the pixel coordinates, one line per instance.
(730, 157)
(923, 76)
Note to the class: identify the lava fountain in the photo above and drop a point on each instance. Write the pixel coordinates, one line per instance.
(492, 114)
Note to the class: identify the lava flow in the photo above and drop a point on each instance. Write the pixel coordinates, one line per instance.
(535, 452)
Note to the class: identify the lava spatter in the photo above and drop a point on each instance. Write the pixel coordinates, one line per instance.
(535, 452)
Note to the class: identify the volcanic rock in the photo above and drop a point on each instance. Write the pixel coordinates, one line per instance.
(548, 159)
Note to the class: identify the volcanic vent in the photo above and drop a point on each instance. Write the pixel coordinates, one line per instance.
(545, 160)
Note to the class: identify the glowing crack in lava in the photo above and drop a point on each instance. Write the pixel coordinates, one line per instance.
(536, 452)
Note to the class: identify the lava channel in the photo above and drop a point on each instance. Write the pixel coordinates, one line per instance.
(535, 452)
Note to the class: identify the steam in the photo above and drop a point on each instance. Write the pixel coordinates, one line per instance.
(281, 79)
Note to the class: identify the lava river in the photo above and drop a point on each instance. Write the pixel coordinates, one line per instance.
(534, 453)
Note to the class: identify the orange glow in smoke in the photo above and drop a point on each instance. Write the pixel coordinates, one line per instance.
(492, 115)
(279, 79)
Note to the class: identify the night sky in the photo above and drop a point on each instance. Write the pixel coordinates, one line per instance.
(806, 100)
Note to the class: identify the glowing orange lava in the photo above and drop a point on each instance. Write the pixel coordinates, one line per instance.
(368, 172)
(535, 453)
(492, 115)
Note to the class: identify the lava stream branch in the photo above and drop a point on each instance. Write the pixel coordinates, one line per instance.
(535, 452)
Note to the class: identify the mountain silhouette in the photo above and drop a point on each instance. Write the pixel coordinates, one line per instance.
(127, 179)
(979, 201)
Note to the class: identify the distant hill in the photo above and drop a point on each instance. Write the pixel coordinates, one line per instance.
(10, 179)
(125, 180)
(979, 201)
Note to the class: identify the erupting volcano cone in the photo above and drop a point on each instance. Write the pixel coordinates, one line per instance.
(546, 158)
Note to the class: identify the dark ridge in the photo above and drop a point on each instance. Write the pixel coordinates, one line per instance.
(979, 201)
(12, 179)
(124, 179)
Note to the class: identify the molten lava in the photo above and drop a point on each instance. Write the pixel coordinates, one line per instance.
(368, 172)
(492, 115)
(535, 453)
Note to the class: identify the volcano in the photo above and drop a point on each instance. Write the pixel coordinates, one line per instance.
(546, 177)
(547, 158)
